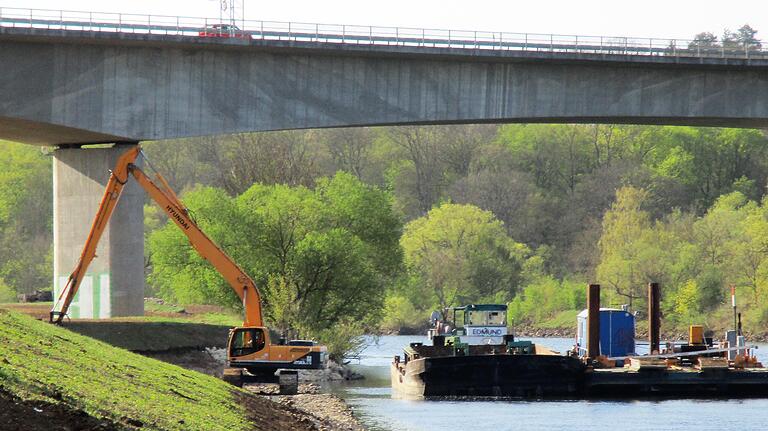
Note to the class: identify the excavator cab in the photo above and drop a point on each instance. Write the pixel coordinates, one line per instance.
(246, 341)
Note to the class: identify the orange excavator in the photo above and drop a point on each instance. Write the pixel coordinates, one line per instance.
(251, 355)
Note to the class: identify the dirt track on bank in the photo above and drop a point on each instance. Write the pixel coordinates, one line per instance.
(19, 415)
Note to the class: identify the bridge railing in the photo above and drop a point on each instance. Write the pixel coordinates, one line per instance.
(373, 35)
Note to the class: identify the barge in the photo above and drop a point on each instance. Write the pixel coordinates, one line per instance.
(479, 358)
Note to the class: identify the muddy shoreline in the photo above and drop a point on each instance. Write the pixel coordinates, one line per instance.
(327, 411)
(322, 411)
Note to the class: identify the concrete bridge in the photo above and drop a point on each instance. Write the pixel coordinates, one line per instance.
(89, 87)
(70, 84)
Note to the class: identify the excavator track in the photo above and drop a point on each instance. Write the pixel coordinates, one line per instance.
(233, 376)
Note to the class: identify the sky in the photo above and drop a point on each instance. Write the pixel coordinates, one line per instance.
(680, 19)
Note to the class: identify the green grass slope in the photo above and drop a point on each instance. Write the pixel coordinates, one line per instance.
(42, 362)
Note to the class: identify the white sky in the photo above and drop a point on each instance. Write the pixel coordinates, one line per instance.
(646, 18)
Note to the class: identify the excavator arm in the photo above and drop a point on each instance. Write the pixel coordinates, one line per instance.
(240, 282)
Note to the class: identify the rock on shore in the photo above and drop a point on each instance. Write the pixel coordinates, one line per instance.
(332, 373)
(327, 411)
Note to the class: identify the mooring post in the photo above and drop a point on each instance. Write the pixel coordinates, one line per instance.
(733, 305)
(654, 318)
(593, 321)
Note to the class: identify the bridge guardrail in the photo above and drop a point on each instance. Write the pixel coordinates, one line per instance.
(375, 35)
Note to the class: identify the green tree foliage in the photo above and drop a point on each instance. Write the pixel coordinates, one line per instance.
(322, 257)
(695, 258)
(709, 161)
(544, 297)
(460, 254)
(551, 186)
(626, 263)
(25, 219)
(400, 313)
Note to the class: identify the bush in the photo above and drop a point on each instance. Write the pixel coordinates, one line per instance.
(7, 293)
(344, 341)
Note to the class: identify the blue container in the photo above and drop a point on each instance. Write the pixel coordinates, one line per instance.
(617, 332)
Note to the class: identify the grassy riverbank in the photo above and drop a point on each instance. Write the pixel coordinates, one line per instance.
(44, 365)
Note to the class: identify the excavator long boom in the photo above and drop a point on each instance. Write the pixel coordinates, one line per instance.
(240, 282)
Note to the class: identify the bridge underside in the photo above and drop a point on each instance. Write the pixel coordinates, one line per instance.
(74, 90)
(52, 135)
(35, 133)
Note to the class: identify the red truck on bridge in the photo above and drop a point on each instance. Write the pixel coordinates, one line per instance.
(223, 30)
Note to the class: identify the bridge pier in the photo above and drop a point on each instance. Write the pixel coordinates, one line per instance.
(114, 283)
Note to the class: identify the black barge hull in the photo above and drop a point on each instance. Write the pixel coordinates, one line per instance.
(561, 377)
(514, 376)
(688, 383)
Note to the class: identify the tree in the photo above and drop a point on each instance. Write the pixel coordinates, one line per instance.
(322, 257)
(270, 158)
(730, 40)
(178, 272)
(742, 39)
(367, 212)
(624, 245)
(25, 218)
(350, 149)
(182, 162)
(509, 195)
(746, 37)
(459, 144)
(461, 254)
(423, 173)
(556, 155)
(703, 41)
(709, 161)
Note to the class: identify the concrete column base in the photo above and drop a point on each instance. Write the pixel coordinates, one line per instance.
(114, 283)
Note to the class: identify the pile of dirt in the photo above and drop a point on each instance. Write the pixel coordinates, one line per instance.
(38, 310)
(146, 336)
(19, 415)
(270, 416)
(206, 361)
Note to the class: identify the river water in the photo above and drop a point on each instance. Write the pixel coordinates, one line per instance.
(371, 399)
